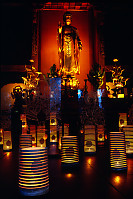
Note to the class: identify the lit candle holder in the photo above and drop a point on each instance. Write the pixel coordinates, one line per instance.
(89, 139)
(7, 141)
(100, 134)
(33, 171)
(69, 150)
(118, 160)
(41, 141)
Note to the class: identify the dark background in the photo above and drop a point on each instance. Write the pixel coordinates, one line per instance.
(16, 31)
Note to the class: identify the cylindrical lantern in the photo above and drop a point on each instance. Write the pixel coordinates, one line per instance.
(7, 141)
(33, 171)
(69, 150)
(53, 133)
(41, 141)
(89, 139)
(128, 130)
(118, 159)
(66, 129)
(25, 141)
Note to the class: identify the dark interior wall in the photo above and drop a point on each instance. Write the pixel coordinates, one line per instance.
(16, 34)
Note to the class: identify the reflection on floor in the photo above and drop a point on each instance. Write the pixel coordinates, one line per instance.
(91, 179)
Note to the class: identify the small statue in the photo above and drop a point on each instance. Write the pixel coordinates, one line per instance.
(69, 47)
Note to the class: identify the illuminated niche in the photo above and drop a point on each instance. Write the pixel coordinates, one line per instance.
(89, 139)
(118, 159)
(69, 150)
(33, 171)
(128, 130)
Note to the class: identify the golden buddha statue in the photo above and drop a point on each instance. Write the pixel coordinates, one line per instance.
(69, 47)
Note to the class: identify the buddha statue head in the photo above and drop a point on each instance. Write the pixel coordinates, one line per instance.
(67, 18)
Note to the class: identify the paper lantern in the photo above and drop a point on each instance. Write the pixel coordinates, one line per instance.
(1, 136)
(128, 130)
(122, 120)
(89, 139)
(33, 171)
(66, 129)
(100, 134)
(7, 141)
(118, 159)
(25, 140)
(53, 133)
(33, 133)
(53, 120)
(41, 141)
(69, 150)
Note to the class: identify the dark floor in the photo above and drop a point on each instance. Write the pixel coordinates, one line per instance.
(91, 179)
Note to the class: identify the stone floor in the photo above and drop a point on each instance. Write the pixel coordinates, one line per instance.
(93, 178)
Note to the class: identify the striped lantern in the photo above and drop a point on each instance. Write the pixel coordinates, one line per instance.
(7, 141)
(128, 130)
(118, 159)
(33, 171)
(89, 139)
(100, 134)
(69, 150)
(25, 140)
(41, 141)
(33, 133)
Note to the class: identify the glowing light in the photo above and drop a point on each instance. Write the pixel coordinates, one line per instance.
(68, 175)
(89, 161)
(117, 179)
(115, 60)
(31, 61)
(8, 153)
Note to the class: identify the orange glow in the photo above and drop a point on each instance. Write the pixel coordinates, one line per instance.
(49, 48)
(68, 175)
(115, 60)
(117, 179)
(89, 161)
(31, 61)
